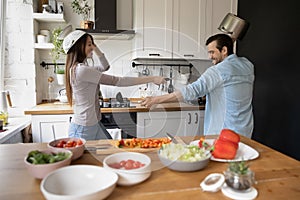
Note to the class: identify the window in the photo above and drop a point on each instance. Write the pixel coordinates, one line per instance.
(2, 44)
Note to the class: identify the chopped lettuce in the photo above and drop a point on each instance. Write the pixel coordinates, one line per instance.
(189, 153)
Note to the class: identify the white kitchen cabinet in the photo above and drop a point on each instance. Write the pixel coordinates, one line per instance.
(189, 29)
(179, 123)
(42, 127)
(216, 11)
(153, 26)
(177, 28)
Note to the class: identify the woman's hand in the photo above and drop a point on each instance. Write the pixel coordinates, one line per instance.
(159, 80)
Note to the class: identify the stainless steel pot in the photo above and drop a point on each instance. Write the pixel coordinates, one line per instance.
(234, 26)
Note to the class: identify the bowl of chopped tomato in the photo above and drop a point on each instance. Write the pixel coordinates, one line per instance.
(75, 145)
(131, 167)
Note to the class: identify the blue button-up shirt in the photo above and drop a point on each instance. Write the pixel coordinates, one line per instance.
(228, 87)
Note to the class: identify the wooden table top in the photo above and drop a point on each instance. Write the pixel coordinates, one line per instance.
(57, 108)
(277, 175)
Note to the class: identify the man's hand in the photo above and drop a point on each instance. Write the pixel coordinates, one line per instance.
(149, 102)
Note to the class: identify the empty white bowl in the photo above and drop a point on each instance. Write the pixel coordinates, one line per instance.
(132, 176)
(79, 182)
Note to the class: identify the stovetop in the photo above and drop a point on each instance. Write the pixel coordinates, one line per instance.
(114, 103)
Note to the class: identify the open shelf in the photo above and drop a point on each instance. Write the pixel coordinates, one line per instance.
(43, 46)
(48, 17)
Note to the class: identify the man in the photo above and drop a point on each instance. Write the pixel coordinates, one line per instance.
(228, 86)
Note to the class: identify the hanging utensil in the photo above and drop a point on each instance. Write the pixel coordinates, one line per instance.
(171, 87)
(161, 73)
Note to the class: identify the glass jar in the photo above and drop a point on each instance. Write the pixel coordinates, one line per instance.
(239, 181)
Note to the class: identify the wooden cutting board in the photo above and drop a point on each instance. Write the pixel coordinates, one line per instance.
(109, 147)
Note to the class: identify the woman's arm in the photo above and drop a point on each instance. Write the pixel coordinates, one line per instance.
(130, 81)
(103, 61)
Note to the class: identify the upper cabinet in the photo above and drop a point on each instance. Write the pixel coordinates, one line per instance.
(153, 26)
(189, 31)
(177, 28)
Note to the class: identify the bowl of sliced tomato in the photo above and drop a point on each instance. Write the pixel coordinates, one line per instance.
(75, 145)
(131, 167)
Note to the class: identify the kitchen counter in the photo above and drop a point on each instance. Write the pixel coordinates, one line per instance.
(61, 108)
(12, 131)
(277, 175)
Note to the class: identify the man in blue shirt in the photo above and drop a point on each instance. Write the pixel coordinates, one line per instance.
(227, 85)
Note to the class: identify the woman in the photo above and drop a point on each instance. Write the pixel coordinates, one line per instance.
(82, 85)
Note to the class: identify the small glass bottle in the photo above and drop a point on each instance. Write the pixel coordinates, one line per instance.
(50, 89)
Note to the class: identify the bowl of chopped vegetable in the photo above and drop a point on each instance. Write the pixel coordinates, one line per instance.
(39, 163)
(131, 167)
(76, 145)
(185, 158)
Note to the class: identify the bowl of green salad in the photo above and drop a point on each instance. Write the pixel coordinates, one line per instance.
(184, 158)
(40, 163)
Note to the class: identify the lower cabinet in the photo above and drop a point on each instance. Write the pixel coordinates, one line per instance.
(179, 123)
(42, 127)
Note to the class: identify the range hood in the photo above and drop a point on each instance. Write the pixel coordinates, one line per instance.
(106, 20)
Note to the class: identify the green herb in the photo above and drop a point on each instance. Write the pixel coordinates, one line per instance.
(57, 51)
(36, 157)
(81, 7)
(239, 167)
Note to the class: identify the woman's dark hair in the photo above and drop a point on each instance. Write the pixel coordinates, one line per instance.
(75, 55)
(222, 40)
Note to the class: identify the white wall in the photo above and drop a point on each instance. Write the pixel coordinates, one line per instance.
(19, 76)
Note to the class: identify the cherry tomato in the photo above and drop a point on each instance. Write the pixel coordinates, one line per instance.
(79, 142)
(122, 163)
(128, 165)
(115, 165)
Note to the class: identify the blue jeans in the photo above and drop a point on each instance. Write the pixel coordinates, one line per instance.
(96, 132)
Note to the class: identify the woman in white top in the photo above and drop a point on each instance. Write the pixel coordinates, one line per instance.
(83, 83)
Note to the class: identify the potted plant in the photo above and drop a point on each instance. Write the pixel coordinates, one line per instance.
(239, 176)
(82, 7)
(56, 53)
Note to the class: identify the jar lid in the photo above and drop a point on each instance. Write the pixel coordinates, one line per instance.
(213, 182)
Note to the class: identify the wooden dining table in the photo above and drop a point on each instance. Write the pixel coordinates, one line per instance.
(277, 175)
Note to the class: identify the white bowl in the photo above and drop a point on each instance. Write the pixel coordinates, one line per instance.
(132, 176)
(79, 182)
(184, 166)
(39, 171)
(77, 151)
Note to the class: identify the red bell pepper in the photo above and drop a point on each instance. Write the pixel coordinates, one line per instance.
(229, 135)
(224, 149)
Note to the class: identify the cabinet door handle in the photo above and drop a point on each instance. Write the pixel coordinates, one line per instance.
(188, 55)
(154, 54)
(70, 119)
(196, 121)
(190, 118)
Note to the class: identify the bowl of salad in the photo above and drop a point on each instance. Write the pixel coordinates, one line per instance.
(76, 145)
(184, 158)
(40, 163)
